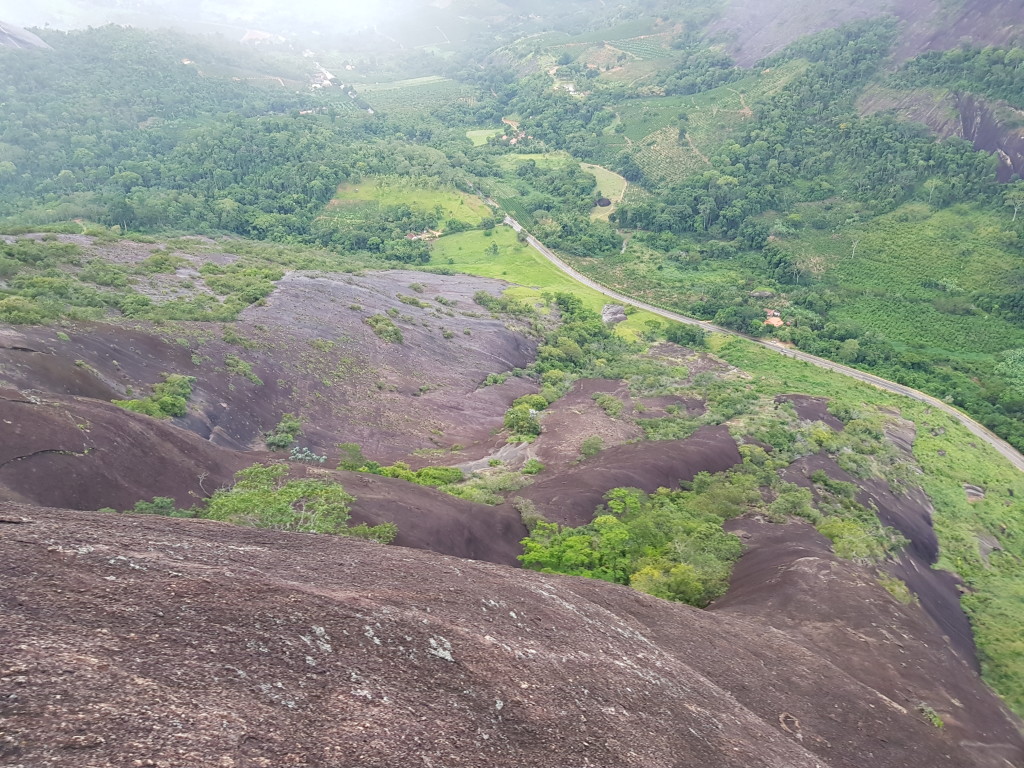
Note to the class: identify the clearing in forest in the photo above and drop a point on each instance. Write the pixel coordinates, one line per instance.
(610, 185)
(418, 194)
(479, 137)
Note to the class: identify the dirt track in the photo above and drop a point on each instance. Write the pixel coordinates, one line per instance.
(1004, 448)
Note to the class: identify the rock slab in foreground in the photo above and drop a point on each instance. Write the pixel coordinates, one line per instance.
(198, 643)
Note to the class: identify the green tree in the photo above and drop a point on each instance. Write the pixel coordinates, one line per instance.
(263, 498)
(519, 420)
(1013, 196)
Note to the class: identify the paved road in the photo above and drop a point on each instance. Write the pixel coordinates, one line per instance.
(977, 429)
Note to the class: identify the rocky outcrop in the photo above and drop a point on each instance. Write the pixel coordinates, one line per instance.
(754, 30)
(16, 37)
(153, 641)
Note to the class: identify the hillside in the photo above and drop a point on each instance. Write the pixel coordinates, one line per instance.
(259, 648)
(753, 31)
(289, 349)
(16, 37)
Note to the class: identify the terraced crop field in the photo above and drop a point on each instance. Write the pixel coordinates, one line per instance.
(666, 160)
(912, 274)
(649, 47)
(713, 118)
(418, 95)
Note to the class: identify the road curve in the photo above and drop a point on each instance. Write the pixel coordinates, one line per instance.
(1005, 449)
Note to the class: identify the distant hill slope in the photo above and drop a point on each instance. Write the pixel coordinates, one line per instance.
(16, 37)
(756, 30)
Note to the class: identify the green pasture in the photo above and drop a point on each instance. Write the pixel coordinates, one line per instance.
(468, 252)
(479, 137)
(609, 184)
(418, 194)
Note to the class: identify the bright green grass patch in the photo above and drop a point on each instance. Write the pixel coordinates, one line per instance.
(610, 185)
(418, 194)
(480, 137)
(517, 263)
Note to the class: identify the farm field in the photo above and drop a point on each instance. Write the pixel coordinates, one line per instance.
(517, 263)
(413, 96)
(651, 126)
(625, 30)
(509, 163)
(635, 71)
(912, 273)
(480, 136)
(418, 195)
(645, 47)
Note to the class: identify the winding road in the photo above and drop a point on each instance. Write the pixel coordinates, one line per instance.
(1012, 454)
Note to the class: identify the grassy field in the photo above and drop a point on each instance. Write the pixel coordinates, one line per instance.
(479, 137)
(609, 184)
(517, 263)
(350, 199)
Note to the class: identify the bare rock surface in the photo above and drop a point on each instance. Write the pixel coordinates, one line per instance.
(788, 579)
(311, 353)
(571, 496)
(141, 640)
(752, 31)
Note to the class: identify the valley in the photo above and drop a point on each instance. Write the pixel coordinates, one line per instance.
(628, 385)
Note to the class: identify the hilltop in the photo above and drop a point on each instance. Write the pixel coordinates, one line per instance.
(311, 436)
(265, 647)
(753, 31)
